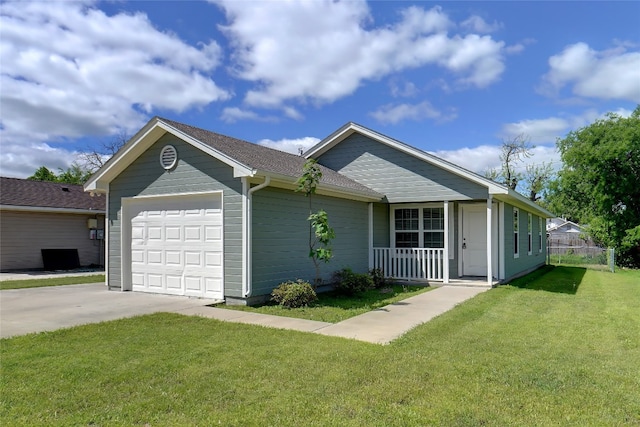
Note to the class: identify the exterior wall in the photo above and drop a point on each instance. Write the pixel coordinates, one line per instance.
(24, 234)
(281, 237)
(401, 177)
(381, 234)
(195, 172)
(525, 262)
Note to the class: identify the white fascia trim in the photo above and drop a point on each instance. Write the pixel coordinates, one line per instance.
(51, 210)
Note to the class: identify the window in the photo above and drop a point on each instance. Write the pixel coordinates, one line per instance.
(407, 225)
(529, 224)
(539, 234)
(419, 228)
(516, 225)
(433, 226)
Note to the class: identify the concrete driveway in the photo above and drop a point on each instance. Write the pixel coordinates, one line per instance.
(23, 311)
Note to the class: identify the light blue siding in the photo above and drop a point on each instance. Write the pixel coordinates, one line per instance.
(281, 237)
(401, 177)
(524, 262)
(381, 226)
(195, 172)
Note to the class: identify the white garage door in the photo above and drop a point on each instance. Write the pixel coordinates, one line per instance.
(176, 246)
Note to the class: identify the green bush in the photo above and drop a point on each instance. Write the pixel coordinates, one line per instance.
(292, 294)
(346, 282)
(377, 275)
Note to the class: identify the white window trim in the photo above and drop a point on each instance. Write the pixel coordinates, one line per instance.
(516, 232)
(540, 234)
(420, 229)
(529, 233)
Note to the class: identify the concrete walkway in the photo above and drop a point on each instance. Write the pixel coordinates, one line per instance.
(25, 311)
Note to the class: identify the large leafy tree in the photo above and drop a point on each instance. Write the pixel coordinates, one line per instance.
(599, 184)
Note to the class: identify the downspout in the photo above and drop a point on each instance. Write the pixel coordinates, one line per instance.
(248, 289)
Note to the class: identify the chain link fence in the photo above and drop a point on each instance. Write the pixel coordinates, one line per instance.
(580, 252)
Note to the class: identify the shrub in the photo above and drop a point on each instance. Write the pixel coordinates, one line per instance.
(377, 275)
(292, 294)
(347, 282)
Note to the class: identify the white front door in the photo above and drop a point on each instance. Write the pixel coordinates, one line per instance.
(474, 240)
(176, 245)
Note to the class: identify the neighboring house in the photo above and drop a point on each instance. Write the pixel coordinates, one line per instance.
(564, 235)
(49, 225)
(192, 212)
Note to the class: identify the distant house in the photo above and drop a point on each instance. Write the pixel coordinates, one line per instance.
(193, 212)
(47, 225)
(567, 236)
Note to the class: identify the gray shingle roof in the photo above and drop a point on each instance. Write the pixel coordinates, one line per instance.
(41, 194)
(266, 159)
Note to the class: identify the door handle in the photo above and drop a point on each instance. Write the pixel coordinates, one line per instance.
(464, 246)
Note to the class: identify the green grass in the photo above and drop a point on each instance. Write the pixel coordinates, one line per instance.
(54, 281)
(333, 308)
(539, 352)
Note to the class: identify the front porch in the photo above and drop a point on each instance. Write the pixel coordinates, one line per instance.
(448, 242)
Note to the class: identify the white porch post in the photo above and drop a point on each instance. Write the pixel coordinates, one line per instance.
(489, 242)
(445, 261)
(370, 236)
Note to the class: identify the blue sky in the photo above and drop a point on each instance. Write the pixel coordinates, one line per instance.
(451, 78)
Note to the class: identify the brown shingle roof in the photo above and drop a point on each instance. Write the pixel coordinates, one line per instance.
(266, 159)
(41, 194)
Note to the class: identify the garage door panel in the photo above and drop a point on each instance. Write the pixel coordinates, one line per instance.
(193, 259)
(154, 257)
(213, 259)
(173, 259)
(155, 280)
(213, 285)
(213, 233)
(192, 233)
(174, 282)
(137, 279)
(177, 246)
(137, 256)
(173, 233)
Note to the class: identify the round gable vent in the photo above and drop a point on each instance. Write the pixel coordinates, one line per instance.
(168, 157)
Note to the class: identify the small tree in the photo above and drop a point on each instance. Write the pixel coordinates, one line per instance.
(320, 233)
(513, 151)
(536, 179)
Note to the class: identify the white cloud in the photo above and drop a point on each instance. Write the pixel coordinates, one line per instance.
(539, 130)
(294, 146)
(485, 157)
(321, 51)
(476, 24)
(395, 113)
(70, 70)
(545, 131)
(610, 74)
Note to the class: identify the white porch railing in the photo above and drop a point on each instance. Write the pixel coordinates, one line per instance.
(410, 263)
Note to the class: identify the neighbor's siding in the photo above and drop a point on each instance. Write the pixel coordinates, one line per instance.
(399, 176)
(195, 172)
(280, 249)
(525, 262)
(24, 234)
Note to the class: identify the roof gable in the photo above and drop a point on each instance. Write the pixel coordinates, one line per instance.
(246, 158)
(15, 192)
(499, 191)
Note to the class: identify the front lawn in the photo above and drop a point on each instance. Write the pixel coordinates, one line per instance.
(53, 281)
(561, 348)
(334, 308)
